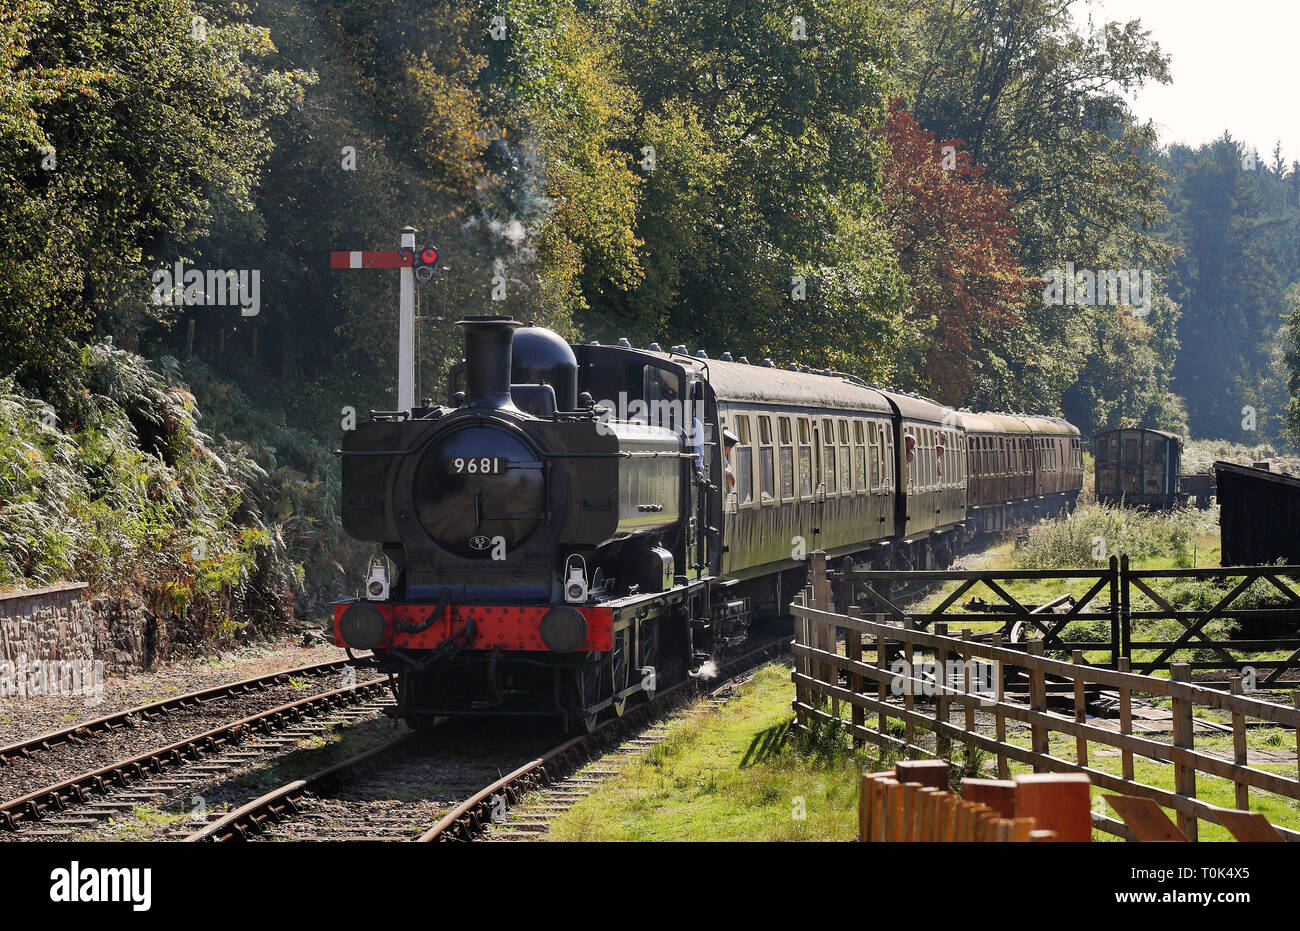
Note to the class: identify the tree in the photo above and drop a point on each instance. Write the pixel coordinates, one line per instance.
(955, 242)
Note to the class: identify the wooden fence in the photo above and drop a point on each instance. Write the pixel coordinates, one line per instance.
(911, 802)
(1133, 600)
(922, 695)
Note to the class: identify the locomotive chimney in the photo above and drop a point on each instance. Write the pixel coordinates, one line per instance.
(487, 360)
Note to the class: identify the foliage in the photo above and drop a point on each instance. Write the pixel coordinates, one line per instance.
(955, 241)
(119, 132)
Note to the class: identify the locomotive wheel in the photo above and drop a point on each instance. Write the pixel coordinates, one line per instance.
(619, 667)
(650, 656)
(589, 688)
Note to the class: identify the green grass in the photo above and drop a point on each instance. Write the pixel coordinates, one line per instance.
(731, 775)
(744, 774)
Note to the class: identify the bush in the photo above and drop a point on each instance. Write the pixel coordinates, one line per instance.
(115, 485)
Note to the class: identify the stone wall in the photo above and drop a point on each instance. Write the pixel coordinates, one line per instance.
(63, 622)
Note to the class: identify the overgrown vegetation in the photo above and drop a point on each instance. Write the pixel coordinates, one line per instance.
(1092, 533)
(115, 484)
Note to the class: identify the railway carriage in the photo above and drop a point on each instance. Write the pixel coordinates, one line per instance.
(1139, 467)
(582, 524)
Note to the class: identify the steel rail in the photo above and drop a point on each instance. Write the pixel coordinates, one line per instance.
(250, 818)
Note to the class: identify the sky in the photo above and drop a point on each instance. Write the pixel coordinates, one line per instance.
(1233, 66)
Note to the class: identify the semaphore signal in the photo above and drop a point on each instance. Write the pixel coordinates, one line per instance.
(413, 264)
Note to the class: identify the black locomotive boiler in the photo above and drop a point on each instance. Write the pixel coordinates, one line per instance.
(585, 523)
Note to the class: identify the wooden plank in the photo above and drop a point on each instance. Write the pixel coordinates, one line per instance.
(1021, 828)
(1145, 819)
(931, 773)
(1058, 802)
(927, 824)
(1249, 826)
(881, 652)
(893, 811)
(865, 784)
(997, 794)
(966, 686)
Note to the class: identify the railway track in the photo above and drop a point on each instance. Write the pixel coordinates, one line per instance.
(339, 802)
(75, 804)
(471, 819)
(133, 717)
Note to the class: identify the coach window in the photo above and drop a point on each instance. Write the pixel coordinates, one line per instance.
(873, 453)
(860, 454)
(889, 469)
(805, 460)
(787, 459)
(766, 462)
(744, 463)
(828, 455)
(846, 459)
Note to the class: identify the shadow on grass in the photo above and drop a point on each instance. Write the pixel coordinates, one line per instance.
(766, 743)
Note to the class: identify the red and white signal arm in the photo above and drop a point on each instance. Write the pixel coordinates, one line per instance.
(398, 259)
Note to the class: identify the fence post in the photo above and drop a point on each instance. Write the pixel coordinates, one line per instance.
(1295, 701)
(1126, 720)
(1239, 744)
(825, 632)
(1037, 702)
(909, 699)
(1080, 710)
(1114, 612)
(1125, 611)
(1058, 802)
(800, 664)
(1184, 775)
(942, 745)
(968, 700)
(999, 719)
(853, 650)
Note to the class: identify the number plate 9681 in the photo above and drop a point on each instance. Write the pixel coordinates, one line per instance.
(476, 465)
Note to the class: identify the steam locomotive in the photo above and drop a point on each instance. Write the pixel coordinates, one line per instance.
(583, 524)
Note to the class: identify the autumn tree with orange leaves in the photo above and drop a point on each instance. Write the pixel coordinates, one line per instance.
(954, 240)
